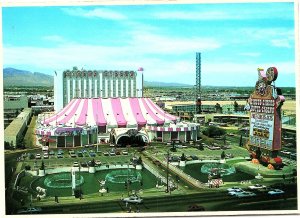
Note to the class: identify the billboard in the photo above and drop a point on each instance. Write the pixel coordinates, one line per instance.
(262, 122)
(264, 105)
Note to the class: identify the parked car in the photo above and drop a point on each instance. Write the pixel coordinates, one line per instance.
(79, 154)
(98, 162)
(45, 148)
(124, 152)
(60, 151)
(105, 153)
(194, 157)
(92, 154)
(234, 189)
(45, 155)
(133, 199)
(38, 156)
(112, 153)
(275, 192)
(245, 194)
(83, 164)
(60, 155)
(72, 153)
(51, 152)
(29, 210)
(236, 192)
(75, 164)
(257, 186)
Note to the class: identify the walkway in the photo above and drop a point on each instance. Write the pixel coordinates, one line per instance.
(187, 178)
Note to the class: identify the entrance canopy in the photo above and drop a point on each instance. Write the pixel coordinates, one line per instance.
(111, 112)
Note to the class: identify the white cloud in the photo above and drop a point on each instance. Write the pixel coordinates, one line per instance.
(251, 54)
(195, 15)
(151, 43)
(54, 38)
(95, 13)
(258, 13)
(284, 43)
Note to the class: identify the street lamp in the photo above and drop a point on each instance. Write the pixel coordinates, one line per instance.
(167, 190)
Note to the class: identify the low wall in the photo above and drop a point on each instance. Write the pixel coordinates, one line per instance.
(84, 169)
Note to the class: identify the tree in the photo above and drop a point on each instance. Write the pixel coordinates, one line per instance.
(173, 149)
(20, 142)
(182, 157)
(42, 166)
(218, 108)
(139, 161)
(6, 145)
(92, 163)
(213, 131)
(223, 155)
(235, 105)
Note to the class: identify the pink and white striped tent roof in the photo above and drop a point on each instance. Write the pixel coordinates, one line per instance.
(110, 111)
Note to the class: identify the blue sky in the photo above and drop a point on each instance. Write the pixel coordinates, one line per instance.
(234, 40)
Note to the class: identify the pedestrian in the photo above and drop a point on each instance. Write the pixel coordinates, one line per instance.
(126, 204)
(130, 209)
(107, 189)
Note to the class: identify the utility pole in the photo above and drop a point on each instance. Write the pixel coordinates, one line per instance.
(168, 155)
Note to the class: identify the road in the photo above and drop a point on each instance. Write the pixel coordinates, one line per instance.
(211, 201)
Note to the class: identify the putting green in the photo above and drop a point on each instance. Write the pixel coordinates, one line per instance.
(235, 176)
(115, 181)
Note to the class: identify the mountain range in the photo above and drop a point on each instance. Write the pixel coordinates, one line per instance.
(15, 77)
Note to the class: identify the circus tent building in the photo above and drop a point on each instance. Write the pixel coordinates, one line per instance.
(121, 121)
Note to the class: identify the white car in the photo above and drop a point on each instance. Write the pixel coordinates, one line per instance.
(45, 148)
(75, 164)
(29, 210)
(45, 155)
(124, 152)
(98, 162)
(257, 186)
(38, 156)
(246, 194)
(234, 189)
(276, 192)
(236, 192)
(133, 199)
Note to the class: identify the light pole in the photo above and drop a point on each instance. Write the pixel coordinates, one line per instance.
(168, 155)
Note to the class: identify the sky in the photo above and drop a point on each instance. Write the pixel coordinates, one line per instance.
(234, 40)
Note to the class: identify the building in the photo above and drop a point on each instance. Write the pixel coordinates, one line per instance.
(228, 109)
(75, 83)
(123, 121)
(17, 127)
(13, 105)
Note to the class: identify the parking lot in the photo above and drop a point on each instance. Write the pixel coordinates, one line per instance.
(65, 157)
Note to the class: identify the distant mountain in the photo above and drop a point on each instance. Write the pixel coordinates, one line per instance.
(15, 77)
(164, 84)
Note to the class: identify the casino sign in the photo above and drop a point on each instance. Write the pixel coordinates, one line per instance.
(264, 105)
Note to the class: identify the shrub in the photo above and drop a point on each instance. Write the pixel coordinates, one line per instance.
(213, 131)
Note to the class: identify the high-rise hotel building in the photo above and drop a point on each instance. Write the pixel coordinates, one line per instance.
(69, 84)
